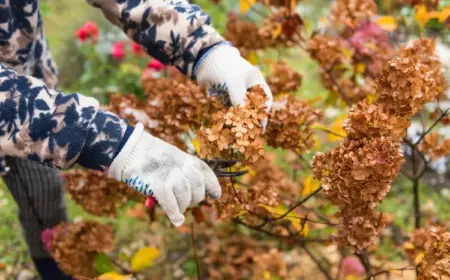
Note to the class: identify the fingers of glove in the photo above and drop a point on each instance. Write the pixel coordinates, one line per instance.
(168, 202)
(182, 190)
(196, 181)
(237, 91)
(212, 185)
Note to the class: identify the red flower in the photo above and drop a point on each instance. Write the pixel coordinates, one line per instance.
(118, 50)
(137, 49)
(155, 65)
(88, 31)
(82, 34)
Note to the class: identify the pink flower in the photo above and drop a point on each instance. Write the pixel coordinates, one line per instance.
(47, 238)
(118, 50)
(155, 65)
(352, 266)
(137, 49)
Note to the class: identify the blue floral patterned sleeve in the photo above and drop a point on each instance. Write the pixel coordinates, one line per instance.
(54, 128)
(172, 31)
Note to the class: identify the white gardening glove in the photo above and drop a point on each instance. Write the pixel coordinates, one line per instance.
(223, 72)
(155, 168)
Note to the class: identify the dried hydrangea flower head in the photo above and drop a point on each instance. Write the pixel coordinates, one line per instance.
(434, 147)
(291, 25)
(75, 246)
(359, 227)
(244, 35)
(290, 125)
(359, 172)
(349, 13)
(406, 85)
(436, 262)
(97, 194)
(373, 120)
(238, 131)
(283, 79)
(327, 51)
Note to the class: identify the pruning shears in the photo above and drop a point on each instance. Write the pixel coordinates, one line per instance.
(217, 165)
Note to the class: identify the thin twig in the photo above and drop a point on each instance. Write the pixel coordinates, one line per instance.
(299, 203)
(318, 263)
(372, 276)
(331, 132)
(124, 269)
(197, 263)
(432, 126)
(341, 93)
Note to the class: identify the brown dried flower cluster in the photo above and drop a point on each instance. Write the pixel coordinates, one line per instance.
(173, 107)
(244, 35)
(283, 79)
(433, 147)
(419, 240)
(241, 257)
(264, 184)
(350, 12)
(97, 194)
(327, 51)
(359, 227)
(237, 130)
(425, 51)
(271, 261)
(405, 86)
(290, 124)
(75, 246)
(373, 120)
(357, 174)
(436, 262)
(282, 29)
(430, 4)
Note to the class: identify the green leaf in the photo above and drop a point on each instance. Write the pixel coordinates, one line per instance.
(190, 268)
(103, 264)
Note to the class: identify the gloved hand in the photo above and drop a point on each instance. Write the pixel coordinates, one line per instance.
(222, 71)
(155, 168)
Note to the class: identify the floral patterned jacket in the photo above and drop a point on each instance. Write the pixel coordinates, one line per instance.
(58, 129)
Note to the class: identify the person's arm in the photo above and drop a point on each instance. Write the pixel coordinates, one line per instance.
(60, 130)
(54, 128)
(178, 33)
(174, 32)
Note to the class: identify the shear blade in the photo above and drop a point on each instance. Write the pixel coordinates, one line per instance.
(221, 173)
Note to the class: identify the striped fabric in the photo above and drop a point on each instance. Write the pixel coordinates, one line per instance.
(44, 186)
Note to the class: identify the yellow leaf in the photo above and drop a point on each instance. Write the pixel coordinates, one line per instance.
(293, 5)
(305, 230)
(316, 142)
(113, 276)
(310, 185)
(266, 274)
(444, 14)
(418, 259)
(387, 23)
(144, 258)
(277, 32)
(252, 57)
(245, 5)
(408, 245)
(337, 128)
(196, 143)
(371, 98)
(348, 53)
(422, 16)
(353, 277)
(360, 68)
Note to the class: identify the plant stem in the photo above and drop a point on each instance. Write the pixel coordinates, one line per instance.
(318, 263)
(415, 182)
(197, 263)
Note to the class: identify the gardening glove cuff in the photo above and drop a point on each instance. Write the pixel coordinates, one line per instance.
(156, 168)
